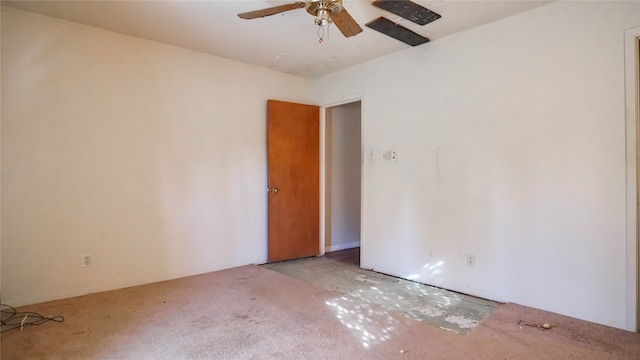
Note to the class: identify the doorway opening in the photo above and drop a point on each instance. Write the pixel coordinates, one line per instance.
(342, 181)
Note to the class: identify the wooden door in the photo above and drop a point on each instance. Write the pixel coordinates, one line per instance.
(293, 157)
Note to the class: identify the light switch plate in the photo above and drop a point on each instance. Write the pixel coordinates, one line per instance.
(389, 156)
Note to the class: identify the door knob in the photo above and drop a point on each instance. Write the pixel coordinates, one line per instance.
(272, 189)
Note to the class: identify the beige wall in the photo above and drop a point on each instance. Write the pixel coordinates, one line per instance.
(512, 147)
(151, 158)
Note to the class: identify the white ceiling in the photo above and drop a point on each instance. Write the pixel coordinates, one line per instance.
(285, 42)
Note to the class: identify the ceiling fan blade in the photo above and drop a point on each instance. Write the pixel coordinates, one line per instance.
(271, 11)
(345, 23)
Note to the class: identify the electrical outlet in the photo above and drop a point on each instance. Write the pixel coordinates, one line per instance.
(471, 260)
(86, 260)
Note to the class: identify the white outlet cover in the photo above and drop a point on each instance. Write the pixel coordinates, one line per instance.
(471, 260)
(86, 260)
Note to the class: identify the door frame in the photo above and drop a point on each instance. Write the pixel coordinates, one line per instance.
(323, 162)
(632, 124)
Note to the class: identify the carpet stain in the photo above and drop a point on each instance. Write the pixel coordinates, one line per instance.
(462, 322)
(431, 311)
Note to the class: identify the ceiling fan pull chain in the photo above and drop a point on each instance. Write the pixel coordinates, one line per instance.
(321, 36)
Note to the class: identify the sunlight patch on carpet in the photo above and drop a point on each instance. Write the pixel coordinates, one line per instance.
(444, 309)
(369, 324)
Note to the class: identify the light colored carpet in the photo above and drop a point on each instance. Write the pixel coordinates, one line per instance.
(255, 313)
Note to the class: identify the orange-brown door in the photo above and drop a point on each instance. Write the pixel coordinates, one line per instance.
(293, 156)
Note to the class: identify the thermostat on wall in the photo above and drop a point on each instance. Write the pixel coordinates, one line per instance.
(389, 156)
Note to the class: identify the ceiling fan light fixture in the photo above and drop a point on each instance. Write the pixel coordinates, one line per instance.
(323, 18)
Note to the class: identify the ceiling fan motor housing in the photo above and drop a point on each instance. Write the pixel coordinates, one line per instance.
(314, 7)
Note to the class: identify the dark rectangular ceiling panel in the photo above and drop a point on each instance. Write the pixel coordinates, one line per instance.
(396, 31)
(408, 10)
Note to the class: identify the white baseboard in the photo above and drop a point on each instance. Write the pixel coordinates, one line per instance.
(342, 246)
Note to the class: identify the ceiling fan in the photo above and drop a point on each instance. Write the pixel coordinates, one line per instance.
(326, 12)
